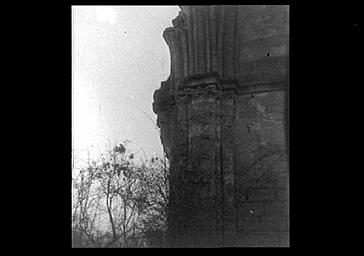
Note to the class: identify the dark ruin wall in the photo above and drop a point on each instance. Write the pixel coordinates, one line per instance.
(223, 119)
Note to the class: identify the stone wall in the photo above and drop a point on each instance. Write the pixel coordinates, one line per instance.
(223, 119)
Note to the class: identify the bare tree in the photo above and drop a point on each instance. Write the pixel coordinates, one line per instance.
(116, 200)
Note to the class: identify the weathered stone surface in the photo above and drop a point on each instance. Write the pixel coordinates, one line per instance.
(223, 119)
(276, 208)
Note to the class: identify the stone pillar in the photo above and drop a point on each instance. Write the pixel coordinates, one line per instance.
(202, 173)
(222, 118)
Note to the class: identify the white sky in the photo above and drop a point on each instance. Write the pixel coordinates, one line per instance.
(119, 58)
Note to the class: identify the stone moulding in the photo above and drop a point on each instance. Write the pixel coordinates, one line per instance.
(262, 86)
(163, 102)
(193, 85)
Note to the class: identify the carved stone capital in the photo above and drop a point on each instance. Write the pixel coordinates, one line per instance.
(207, 85)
